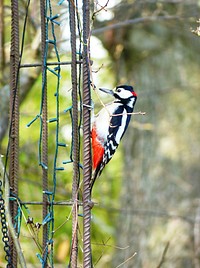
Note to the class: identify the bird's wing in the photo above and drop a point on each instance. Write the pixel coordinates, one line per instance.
(103, 153)
(116, 121)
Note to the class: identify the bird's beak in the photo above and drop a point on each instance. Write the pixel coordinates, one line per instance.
(108, 91)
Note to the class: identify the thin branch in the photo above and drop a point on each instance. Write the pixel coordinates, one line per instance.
(127, 260)
(67, 219)
(102, 251)
(29, 227)
(147, 213)
(112, 115)
(163, 255)
(96, 71)
(99, 10)
(108, 245)
(135, 113)
(133, 21)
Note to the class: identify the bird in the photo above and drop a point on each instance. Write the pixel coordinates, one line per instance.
(109, 126)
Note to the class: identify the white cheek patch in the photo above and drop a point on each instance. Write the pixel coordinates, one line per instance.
(124, 94)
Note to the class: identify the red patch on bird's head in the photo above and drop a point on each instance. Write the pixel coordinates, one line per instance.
(134, 93)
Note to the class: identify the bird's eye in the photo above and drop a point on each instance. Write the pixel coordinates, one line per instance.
(118, 90)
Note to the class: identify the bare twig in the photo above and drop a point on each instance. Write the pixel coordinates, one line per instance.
(102, 251)
(127, 260)
(133, 113)
(148, 213)
(108, 245)
(112, 115)
(133, 21)
(102, 8)
(163, 255)
(96, 71)
(105, 244)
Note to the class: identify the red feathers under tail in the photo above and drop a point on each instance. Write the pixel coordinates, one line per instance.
(98, 152)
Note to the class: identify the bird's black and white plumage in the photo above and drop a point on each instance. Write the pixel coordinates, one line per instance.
(110, 125)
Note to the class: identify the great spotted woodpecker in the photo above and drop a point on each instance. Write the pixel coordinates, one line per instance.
(110, 125)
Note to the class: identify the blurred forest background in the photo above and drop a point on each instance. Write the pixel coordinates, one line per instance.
(148, 212)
